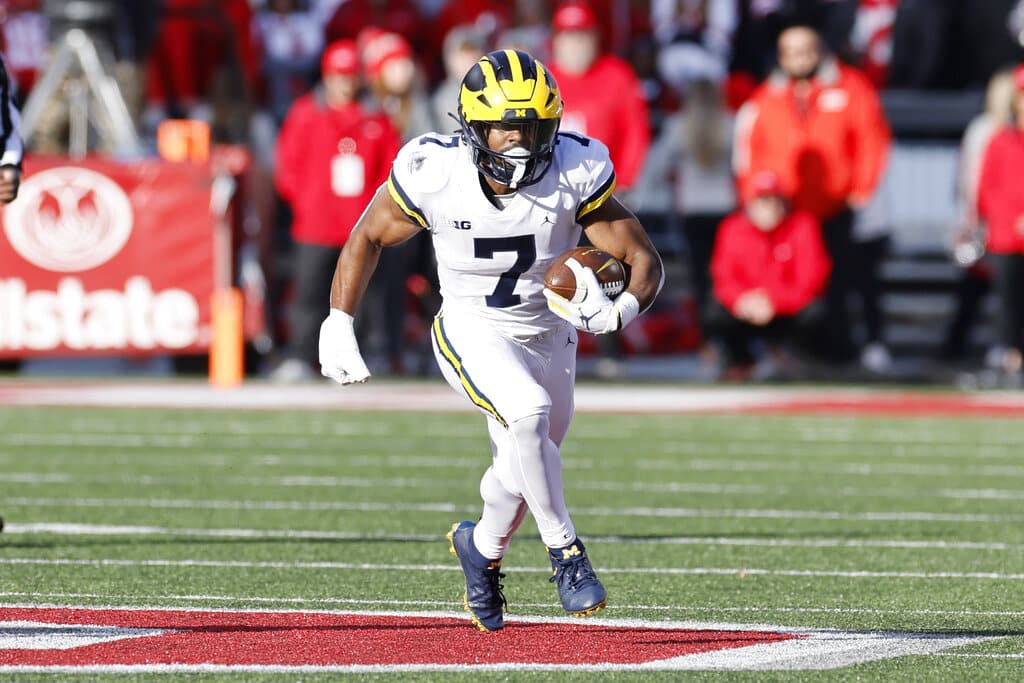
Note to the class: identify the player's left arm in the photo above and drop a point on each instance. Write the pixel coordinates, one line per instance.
(613, 228)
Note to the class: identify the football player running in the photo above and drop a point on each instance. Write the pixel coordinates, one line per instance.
(501, 200)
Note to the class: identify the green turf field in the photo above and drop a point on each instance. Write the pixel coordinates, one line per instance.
(911, 524)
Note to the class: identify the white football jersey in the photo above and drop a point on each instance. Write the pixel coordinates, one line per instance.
(491, 262)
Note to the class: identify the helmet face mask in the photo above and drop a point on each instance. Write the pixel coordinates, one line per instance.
(510, 91)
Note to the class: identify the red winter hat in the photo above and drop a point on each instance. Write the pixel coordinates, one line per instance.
(1018, 77)
(340, 57)
(379, 47)
(574, 16)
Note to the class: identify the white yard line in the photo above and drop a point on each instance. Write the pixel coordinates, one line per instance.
(710, 488)
(366, 566)
(79, 529)
(899, 446)
(240, 599)
(573, 462)
(980, 655)
(368, 506)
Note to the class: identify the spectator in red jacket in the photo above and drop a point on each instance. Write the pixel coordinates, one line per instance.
(196, 40)
(603, 97)
(768, 270)
(1001, 205)
(819, 126)
(332, 155)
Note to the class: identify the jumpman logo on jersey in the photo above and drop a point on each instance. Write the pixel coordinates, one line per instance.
(547, 220)
(569, 341)
(585, 319)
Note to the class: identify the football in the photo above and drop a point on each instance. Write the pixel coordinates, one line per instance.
(560, 277)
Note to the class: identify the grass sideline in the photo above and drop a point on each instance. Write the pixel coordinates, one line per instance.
(910, 524)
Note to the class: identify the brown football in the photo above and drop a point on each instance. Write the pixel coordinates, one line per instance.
(561, 279)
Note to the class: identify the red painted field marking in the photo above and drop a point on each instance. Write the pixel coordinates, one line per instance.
(296, 638)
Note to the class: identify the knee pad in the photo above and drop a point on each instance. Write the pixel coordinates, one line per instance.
(530, 436)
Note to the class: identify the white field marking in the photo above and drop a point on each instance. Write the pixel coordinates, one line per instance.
(813, 653)
(738, 436)
(298, 505)
(710, 488)
(334, 460)
(820, 449)
(241, 600)
(980, 655)
(287, 460)
(178, 441)
(35, 635)
(579, 442)
(367, 566)
(78, 529)
(628, 622)
(845, 468)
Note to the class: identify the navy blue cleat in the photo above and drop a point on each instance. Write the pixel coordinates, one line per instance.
(578, 586)
(483, 598)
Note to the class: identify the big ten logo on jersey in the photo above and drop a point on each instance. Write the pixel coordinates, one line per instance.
(348, 172)
(458, 224)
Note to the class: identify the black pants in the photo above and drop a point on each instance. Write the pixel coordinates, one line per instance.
(1008, 279)
(700, 231)
(867, 283)
(837, 232)
(802, 331)
(312, 271)
(974, 284)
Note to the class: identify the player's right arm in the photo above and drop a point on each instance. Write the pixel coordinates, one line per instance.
(383, 224)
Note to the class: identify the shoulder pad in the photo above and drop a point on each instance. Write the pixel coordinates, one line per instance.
(425, 162)
(582, 158)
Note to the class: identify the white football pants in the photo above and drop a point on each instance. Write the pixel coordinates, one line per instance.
(526, 391)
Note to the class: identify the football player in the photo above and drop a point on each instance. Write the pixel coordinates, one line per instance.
(501, 199)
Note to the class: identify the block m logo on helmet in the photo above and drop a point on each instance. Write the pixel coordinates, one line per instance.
(510, 90)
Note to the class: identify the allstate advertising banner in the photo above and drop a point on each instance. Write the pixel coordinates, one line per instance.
(100, 257)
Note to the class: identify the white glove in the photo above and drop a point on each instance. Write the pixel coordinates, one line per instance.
(339, 351)
(596, 313)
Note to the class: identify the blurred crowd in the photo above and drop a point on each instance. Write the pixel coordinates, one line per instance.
(748, 135)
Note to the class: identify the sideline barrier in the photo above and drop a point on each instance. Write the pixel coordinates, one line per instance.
(102, 257)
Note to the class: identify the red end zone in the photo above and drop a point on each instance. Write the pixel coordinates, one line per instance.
(175, 638)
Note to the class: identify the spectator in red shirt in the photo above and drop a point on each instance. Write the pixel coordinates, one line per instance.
(394, 81)
(819, 126)
(603, 97)
(196, 40)
(332, 155)
(605, 100)
(768, 270)
(1001, 205)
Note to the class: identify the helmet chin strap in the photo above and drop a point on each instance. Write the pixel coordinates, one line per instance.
(519, 165)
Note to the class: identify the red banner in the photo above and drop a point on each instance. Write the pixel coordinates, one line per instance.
(100, 257)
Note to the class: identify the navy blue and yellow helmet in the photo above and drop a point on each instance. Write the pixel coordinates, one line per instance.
(509, 88)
